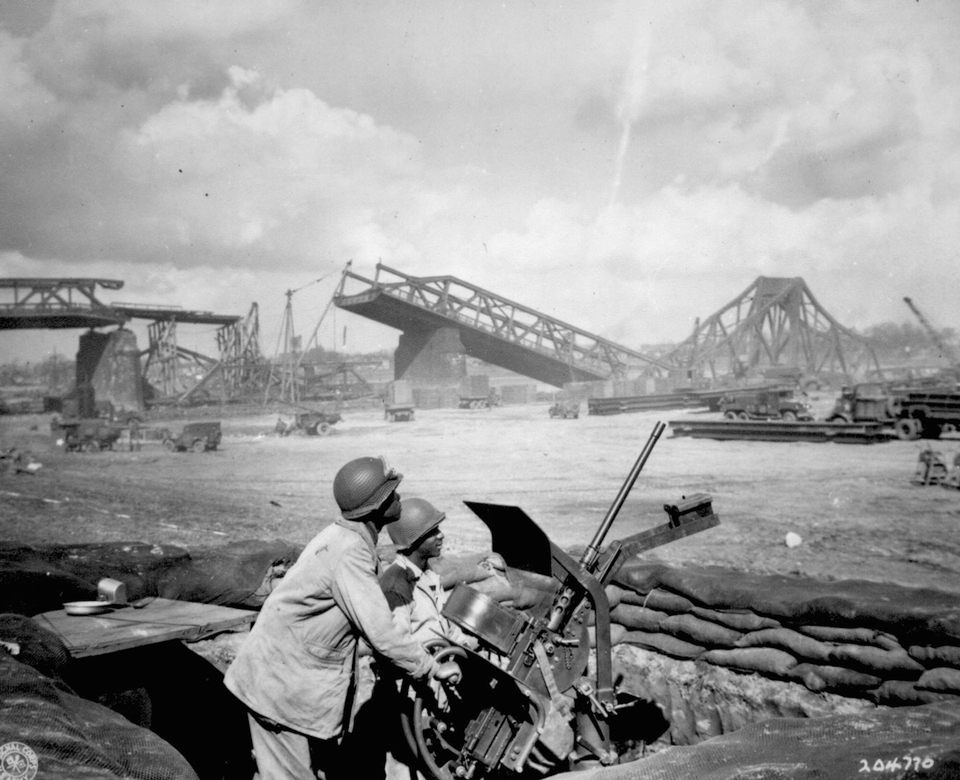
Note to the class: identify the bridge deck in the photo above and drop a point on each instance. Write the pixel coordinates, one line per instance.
(382, 307)
(491, 328)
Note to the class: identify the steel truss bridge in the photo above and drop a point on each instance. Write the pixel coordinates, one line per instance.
(74, 303)
(492, 328)
(775, 322)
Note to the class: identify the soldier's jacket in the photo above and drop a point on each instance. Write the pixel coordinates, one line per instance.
(297, 667)
(417, 598)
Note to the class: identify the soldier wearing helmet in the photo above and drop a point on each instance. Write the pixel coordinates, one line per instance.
(416, 597)
(297, 670)
(414, 591)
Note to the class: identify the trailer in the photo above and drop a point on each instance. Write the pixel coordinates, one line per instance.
(914, 413)
(398, 413)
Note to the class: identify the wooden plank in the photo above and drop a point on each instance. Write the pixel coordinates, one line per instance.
(161, 620)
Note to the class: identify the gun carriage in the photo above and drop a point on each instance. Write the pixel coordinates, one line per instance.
(529, 672)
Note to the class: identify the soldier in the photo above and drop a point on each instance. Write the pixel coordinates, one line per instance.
(416, 596)
(413, 591)
(297, 670)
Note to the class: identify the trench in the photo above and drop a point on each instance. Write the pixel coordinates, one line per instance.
(700, 657)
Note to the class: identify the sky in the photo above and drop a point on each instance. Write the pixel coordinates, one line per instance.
(626, 167)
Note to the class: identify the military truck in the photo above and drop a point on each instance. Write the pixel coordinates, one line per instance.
(913, 412)
(85, 435)
(195, 437)
(565, 410)
(764, 405)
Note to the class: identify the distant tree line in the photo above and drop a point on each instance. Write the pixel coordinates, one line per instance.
(54, 372)
(898, 341)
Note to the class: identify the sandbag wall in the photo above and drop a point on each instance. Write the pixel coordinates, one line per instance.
(888, 644)
(716, 649)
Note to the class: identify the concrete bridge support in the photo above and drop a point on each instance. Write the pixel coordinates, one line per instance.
(430, 357)
(109, 365)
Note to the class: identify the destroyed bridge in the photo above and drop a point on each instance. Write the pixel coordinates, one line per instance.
(774, 322)
(486, 326)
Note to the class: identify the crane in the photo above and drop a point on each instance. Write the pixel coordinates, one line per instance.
(946, 350)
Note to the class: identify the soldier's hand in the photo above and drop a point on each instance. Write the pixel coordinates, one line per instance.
(448, 672)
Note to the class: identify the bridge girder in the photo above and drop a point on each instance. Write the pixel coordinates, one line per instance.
(492, 328)
(775, 322)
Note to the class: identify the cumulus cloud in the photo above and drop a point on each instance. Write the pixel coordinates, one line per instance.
(626, 167)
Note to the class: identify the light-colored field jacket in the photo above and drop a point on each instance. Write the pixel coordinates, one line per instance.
(297, 667)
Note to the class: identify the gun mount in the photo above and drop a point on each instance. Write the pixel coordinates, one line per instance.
(529, 670)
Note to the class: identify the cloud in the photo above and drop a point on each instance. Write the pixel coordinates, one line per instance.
(626, 167)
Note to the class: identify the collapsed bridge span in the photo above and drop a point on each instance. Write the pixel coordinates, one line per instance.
(449, 315)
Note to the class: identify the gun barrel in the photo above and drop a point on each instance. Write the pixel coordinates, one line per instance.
(593, 549)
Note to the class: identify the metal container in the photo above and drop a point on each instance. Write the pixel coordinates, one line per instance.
(112, 591)
(481, 616)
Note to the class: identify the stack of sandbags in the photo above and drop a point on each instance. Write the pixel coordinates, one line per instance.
(887, 643)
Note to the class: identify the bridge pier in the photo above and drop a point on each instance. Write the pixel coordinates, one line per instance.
(430, 357)
(109, 363)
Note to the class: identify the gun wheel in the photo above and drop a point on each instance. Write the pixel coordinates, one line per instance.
(432, 728)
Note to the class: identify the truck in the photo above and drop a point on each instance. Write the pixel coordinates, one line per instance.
(565, 410)
(913, 412)
(195, 437)
(310, 423)
(85, 435)
(764, 405)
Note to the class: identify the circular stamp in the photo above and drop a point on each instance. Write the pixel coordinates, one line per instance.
(17, 762)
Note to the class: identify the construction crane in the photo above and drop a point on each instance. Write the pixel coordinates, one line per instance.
(946, 350)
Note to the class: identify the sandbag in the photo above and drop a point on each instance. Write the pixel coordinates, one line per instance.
(943, 679)
(765, 660)
(877, 660)
(31, 644)
(658, 599)
(703, 632)
(31, 582)
(635, 617)
(917, 614)
(614, 595)
(902, 693)
(821, 677)
(454, 569)
(617, 633)
(240, 574)
(851, 635)
(739, 619)
(793, 642)
(73, 738)
(941, 656)
(663, 643)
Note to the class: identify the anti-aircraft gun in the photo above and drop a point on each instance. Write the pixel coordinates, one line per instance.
(496, 722)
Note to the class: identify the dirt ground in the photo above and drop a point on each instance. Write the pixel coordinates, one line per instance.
(853, 506)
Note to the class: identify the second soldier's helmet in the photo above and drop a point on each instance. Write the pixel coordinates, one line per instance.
(362, 486)
(418, 517)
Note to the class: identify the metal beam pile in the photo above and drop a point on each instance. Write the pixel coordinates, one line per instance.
(642, 403)
(764, 430)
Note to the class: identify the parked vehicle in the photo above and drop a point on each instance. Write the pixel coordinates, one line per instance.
(764, 405)
(398, 413)
(85, 435)
(195, 437)
(566, 410)
(913, 412)
(308, 423)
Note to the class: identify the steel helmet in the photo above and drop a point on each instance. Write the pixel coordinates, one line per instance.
(362, 485)
(418, 517)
